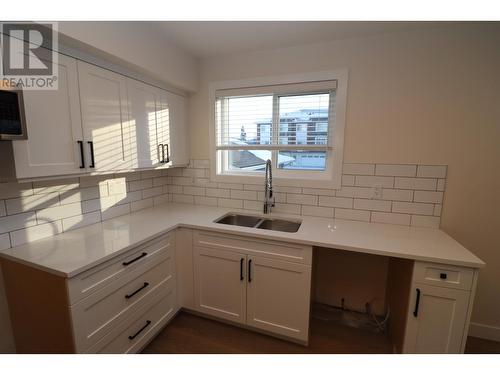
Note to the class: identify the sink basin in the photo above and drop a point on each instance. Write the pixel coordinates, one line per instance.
(279, 225)
(260, 222)
(240, 220)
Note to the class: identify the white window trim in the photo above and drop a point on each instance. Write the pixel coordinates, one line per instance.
(337, 151)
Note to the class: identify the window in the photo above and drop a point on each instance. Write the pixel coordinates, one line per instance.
(293, 124)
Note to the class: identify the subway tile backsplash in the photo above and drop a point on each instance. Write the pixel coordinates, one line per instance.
(34, 210)
(410, 195)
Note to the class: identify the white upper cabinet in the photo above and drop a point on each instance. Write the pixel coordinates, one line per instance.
(107, 132)
(97, 121)
(150, 122)
(54, 128)
(179, 141)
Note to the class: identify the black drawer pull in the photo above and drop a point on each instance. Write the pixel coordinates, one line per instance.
(417, 302)
(135, 259)
(250, 270)
(92, 161)
(82, 156)
(241, 268)
(443, 276)
(148, 322)
(127, 296)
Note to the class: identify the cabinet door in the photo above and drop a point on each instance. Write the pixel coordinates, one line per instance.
(103, 96)
(179, 141)
(278, 297)
(145, 116)
(163, 127)
(54, 126)
(440, 321)
(219, 285)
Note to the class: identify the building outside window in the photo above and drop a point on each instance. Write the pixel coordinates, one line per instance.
(294, 125)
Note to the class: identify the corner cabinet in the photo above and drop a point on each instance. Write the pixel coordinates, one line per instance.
(178, 135)
(128, 124)
(235, 281)
(159, 119)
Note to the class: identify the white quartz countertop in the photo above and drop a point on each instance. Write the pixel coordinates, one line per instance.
(76, 251)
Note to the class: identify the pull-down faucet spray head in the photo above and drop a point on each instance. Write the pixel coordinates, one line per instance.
(268, 188)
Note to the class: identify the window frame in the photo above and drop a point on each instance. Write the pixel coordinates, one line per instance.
(331, 176)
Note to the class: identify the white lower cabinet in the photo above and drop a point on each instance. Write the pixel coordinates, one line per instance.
(439, 309)
(278, 296)
(219, 285)
(119, 305)
(437, 320)
(266, 293)
(106, 320)
(135, 332)
(116, 306)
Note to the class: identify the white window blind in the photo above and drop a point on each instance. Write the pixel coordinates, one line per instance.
(291, 124)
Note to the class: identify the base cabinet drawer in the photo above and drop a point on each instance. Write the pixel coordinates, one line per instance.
(287, 251)
(139, 329)
(436, 320)
(135, 260)
(99, 313)
(444, 275)
(110, 303)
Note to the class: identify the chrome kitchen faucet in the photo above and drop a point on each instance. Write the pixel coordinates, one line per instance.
(268, 188)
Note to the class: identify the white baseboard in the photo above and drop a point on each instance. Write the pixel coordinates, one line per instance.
(484, 331)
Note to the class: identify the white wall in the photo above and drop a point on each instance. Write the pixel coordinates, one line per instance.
(422, 97)
(140, 44)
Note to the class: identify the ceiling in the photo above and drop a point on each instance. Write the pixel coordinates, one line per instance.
(214, 38)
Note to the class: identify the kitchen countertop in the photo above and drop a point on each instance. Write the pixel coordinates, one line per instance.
(76, 251)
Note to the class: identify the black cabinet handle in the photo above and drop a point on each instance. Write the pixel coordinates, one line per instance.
(161, 153)
(168, 154)
(135, 259)
(92, 161)
(82, 156)
(148, 322)
(128, 296)
(241, 268)
(443, 276)
(250, 270)
(417, 302)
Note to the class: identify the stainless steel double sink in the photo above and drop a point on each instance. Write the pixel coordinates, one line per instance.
(260, 222)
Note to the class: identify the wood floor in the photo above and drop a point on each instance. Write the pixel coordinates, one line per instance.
(190, 334)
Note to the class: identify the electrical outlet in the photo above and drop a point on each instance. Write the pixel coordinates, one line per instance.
(377, 192)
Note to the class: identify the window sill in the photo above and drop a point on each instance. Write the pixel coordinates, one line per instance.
(277, 181)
